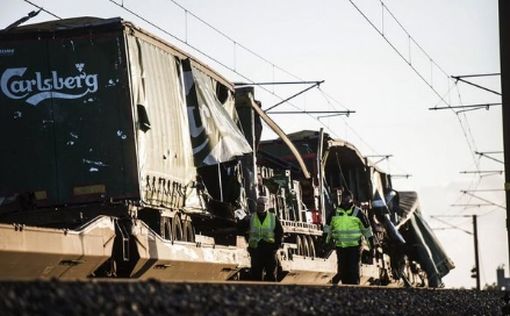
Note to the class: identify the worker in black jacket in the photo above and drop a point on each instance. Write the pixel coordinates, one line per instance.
(346, 230)
(265, 237)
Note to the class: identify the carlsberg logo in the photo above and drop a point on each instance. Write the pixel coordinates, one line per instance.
(37, 87)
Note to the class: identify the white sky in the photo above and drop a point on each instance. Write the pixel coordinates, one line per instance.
(331, 41)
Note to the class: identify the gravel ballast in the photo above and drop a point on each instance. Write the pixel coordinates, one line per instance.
(159, 298)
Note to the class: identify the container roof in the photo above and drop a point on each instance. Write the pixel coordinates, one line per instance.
(64, 25)
(86, 24)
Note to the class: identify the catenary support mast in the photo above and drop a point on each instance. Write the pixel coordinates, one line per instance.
(504, 39)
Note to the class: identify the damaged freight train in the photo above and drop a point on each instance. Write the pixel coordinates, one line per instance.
(123, 156)
(408, 252)
(104, 120)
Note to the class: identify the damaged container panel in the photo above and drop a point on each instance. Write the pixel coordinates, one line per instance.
(62, 92)
(165, 158)
(21, 143)
(423, 244)
(88, 168)
(101, 112)
(408, 251)
(95, 110)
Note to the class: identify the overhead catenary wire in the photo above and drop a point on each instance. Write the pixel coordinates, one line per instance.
(326, 96)
(464, 125)
(186, 42)
(234, 41)
(489, 212)
(460, 114)
(437, 218)
(409, 62)
(27, 17)
(468, 136)
(243, 76)
(470, 140)
(483, 199)
(237, 44)
(269, 62)
(122, 6)
(43, 9)
(384, 9)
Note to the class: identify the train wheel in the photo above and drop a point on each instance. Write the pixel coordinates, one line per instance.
(299, 244)
(311, 247)
(162, 228)
(168, 228)
(176, 228)
(306, 247)
(188, 231)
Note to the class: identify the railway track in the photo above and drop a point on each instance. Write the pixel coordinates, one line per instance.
(131, 297)
(149, 160)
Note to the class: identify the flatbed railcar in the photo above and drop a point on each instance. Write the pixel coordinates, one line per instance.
(138, 161)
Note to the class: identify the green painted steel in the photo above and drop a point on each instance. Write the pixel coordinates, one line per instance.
(95, 110)
(66, 116)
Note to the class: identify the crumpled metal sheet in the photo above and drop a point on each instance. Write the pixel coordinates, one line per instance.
(427, 244)
(215, 136)
(165, 149)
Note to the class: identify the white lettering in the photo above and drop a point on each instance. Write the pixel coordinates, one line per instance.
(69, 83)
(57, 82)
(91, 82)
(38, 88)
(42, 85)
(20, 86)
(6, 51)
(6, 77)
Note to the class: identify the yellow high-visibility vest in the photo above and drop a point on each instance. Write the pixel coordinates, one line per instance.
(262, 231)
(347, 228)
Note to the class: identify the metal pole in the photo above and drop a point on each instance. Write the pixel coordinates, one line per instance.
(318, 83)
(274, 83)
(474, 106)
(347, 113)
(477, 261)
(476, 85)
(504, 45)
(479, 75)
(320, 177)
(220, 186)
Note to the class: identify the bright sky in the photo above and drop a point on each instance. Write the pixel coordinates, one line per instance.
(333, 42)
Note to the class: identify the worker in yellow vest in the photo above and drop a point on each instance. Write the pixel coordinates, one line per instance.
(265, 237)
(347, 226)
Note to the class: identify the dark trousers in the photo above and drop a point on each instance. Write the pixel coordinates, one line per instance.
(263, 259)
(348, 259)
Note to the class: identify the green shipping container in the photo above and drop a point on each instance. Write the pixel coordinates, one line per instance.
(94, 110)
